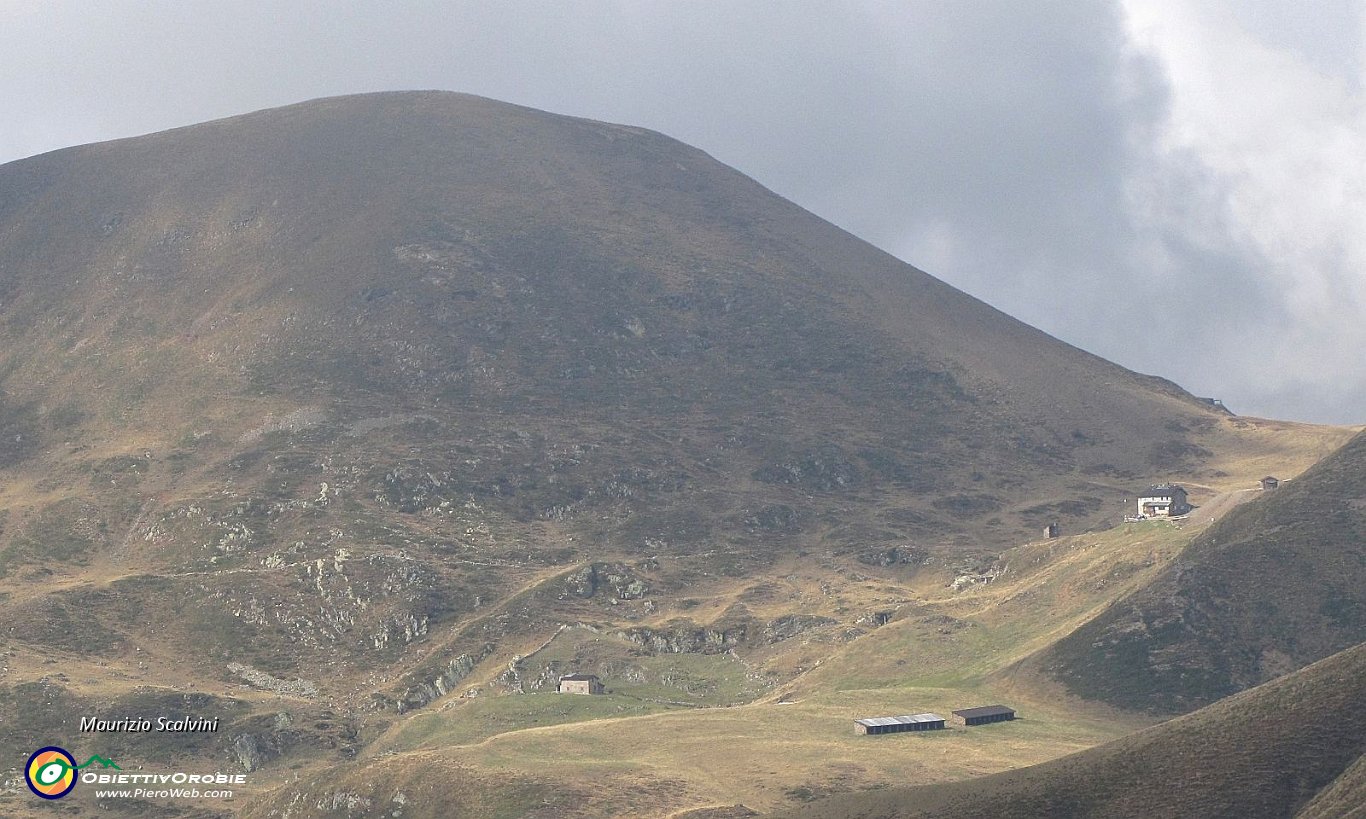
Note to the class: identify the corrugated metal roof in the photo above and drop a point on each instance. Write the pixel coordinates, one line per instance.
(985, 711)
(904, 720)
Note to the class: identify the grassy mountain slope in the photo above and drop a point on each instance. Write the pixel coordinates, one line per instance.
(917, 646)
(535, 297)
(1266, 752)
(1275, 585)
(1344, 799)
(314, 417)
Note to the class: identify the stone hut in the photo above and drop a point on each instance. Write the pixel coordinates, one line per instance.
(581, 684)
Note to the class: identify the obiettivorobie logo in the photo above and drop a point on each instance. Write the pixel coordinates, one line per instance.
(51, 771)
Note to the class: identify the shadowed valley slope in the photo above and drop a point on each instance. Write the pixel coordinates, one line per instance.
(1275, 585)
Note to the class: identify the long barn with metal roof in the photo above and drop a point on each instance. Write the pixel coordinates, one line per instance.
(983, 714)
(896, 725)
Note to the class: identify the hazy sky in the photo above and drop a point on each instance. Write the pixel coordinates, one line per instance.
(1176, 185)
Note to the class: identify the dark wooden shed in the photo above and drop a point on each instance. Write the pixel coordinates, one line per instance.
(983, 714)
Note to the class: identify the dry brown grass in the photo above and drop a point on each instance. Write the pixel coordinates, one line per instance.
(609, 349)
(1265, 752)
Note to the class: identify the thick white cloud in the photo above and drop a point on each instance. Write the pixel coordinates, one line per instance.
(1268, 100)
(1177, 186)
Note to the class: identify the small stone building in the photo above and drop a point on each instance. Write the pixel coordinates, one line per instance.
(897, 725)
(1270, 483)
(1163, 501)
(983, 714)
(581, 684)
(1051, 531)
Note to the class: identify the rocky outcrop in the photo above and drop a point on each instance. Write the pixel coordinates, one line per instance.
(442, 683)
(248, 752)
(686, 639)
(876, 619)
(613, 580)
(790, 625)
(265, 739)
(266, 682)
(823, 469)
(735, 629)
(896, 555)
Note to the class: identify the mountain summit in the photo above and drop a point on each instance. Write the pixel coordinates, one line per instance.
(312, 417)
(575, 291)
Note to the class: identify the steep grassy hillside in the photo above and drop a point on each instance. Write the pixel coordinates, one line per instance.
(1345, 798)
(321, 416)
(1266, 752)
(1278, 583)
(917, 646)
(577, 322)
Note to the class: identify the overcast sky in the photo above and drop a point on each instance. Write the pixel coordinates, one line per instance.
(1176, 185)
